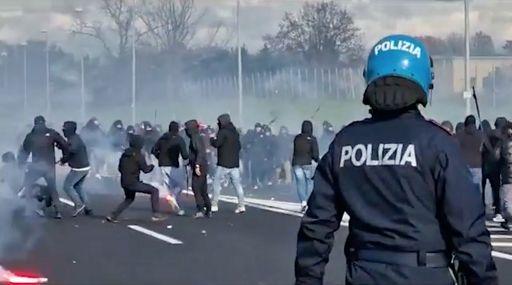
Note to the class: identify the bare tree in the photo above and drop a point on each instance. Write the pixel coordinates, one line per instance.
(323, 32)
(170, 23)
(122, 16)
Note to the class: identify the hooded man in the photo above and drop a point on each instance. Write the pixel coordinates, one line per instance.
(403, 182)
(41, 143)
(284, 144)
(305, 151)
(131, 163)
(471, 142)
(227, 143)
(77, 159)
(327, 137)
(95, 140)
(168, 149)
(199, 165)
(117, 136)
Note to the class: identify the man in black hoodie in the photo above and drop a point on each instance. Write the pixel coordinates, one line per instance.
(506, 174)
(132, 162)
(41, 142)
(77, 159)
(228, 148)
(199, 166)
(327, 136)
(471, 142)
(305, 151)
(167, 150)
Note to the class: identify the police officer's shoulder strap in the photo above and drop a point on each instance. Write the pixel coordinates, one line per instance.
(435, 123)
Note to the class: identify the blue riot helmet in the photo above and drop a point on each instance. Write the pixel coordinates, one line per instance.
(402, 57)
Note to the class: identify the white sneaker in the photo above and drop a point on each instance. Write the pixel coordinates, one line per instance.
(240, 210)
(181, 213)
(215, 208)
(304, 207)
(498, 218)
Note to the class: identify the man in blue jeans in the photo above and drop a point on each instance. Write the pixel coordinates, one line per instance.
(305, 151)
(471, 142)
(228, 148)
(77, 159)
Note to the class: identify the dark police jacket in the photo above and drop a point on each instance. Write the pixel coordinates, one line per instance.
(406, 187)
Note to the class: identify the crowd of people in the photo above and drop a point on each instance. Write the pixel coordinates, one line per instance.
(218, 156)
(488, 153)
(215, 156)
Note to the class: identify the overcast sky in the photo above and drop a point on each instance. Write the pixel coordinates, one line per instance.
(24, 19)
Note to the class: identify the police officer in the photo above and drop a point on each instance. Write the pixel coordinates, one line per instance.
(403, 181)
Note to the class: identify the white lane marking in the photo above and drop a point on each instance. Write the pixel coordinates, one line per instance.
(502, 255)
(231, 199)
(67, 202)
(155, 234)
(501, 236)
(502, 244)
(493, 229)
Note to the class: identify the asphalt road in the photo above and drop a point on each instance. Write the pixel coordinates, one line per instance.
(257, 247)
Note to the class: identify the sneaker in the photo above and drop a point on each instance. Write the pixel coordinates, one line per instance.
(57, 216)
(498, 218)
(240, 210)
(40, 212)
(199, 215)
(181, 213)
(158, 218)
(112, 219)
(208, 215)
(304, 207)
(215, 208)
(505, 225)
(88, 212)
(78, 210)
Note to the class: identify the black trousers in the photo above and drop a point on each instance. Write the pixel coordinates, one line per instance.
(495, 181)
(37, 171)
(129, 193)
(371, 273)
(200, 189)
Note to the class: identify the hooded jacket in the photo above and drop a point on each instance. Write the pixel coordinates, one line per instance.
(76, 155)
(169, 147)
(470, 141)
(305, 146)
(117, 136)
(227, 143)
(41, 143)
(132, 162)
(92, 134)
(197, 147)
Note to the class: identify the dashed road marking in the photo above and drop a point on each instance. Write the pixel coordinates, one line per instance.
(155, 234)
(67, 202)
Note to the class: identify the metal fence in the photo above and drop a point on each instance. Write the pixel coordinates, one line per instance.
(335, 83)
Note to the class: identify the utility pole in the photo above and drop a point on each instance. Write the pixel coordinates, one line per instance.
(467, 92)
(240, 79)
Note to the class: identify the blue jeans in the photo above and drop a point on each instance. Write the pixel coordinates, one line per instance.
(74, 180)
(233, 175)
(175, 181)
(476, 173)
(304, 179)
